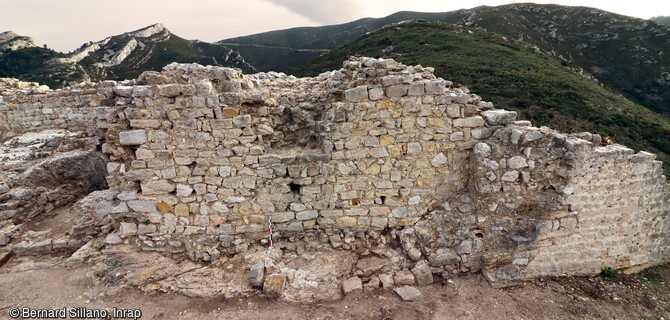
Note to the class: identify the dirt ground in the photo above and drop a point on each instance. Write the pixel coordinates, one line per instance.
(47, 283)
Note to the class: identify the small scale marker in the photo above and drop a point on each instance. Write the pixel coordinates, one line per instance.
(270, 228)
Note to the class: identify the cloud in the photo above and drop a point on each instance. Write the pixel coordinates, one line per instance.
(325, 12)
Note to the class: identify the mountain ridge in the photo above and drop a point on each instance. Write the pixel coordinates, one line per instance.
(117, 57)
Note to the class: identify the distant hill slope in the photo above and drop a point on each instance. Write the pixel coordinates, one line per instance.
(118, 57)
(624, 53)
(662, 20)
(514, 77)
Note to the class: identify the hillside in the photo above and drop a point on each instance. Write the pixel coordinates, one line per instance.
(118, 57)
(662, 20)
(282, 49)
(514, 77)
(20, 58)
(623, 53)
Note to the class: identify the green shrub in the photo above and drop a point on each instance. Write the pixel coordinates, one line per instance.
(609, 273)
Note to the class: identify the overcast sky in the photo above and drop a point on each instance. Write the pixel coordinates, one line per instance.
(65, 25)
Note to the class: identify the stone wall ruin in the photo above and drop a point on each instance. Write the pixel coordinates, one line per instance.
(373, 156)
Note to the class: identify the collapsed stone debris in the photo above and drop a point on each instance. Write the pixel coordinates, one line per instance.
(399, 175)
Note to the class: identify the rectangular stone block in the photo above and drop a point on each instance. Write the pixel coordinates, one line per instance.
(282, 216)
(132, 137)
(470, 122)
(145, 124)
(356, 94)
(157, 187)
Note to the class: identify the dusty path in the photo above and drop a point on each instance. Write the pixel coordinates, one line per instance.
(46, 283)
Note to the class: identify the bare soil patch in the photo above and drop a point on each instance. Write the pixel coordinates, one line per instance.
(47, 282)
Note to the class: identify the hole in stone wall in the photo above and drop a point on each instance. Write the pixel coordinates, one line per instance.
(383, 198)
(355, 203)
(479, 233)
(295, 188)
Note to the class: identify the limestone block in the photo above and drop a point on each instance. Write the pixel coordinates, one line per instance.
(242, 121)
(422, 274)
(110, 207)
(307, 215)
(453, 111)
(370, 266)
(483, 133)
(142, 123)
(499, 117)
(379, 223)
(256, 274)
(124, 91)
(132, 137)
(127, 195)
(157, 187)
(413, 147)
(282, 216)
(470, 122)
(168, 90)
(220, 207)
(146, 228)
(346, 222)
(444, 256)
(184, 190)
(531, 136)
(127, 229)
(462, 98)
(357, 94)
(141, 91)
(181, 210)
(391, 80)
(517, 162)
(435, 87)
(515, 136)
(414, 254)
(352, 285)
(142, 206)
(416, 89)
(387, 281)
(396, 91)
(379, 211)
(233, 199)
(510, 176)
(375, 94)
(403, 277)
(408, 294)
(440, 160)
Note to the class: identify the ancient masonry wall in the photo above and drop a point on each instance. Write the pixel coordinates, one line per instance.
(355, 159)
(45, 166)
